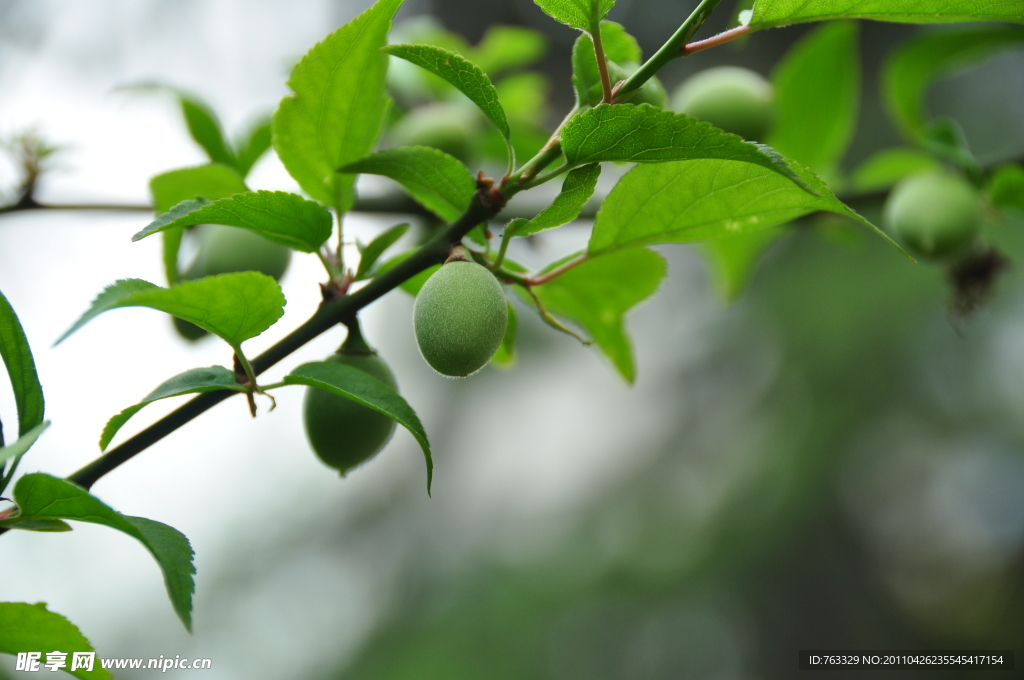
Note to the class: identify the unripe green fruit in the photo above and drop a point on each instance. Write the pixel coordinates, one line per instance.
(734, 99)
(448, 127)
(934, 214)
(345, 434)
(223, 250)
(459, 318)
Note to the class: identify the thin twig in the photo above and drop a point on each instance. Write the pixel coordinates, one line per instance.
(715, 40)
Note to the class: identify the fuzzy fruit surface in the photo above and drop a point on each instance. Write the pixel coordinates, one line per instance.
(345, 434)
(459, 318)
(935, 214)
(734, 99)
(447, 127)
(223, 250)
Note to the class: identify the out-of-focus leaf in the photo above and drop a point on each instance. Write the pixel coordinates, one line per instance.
(581, 14)
(524, 97)
(598, 293)
(912, 67)
(460, 72)
(28, 627)
(1007, 188)
(888, 166)
(506, 354)
(577, 189)
(235, 306)
(769, 13)
(733, 258)
(21, 369)
(817, 90)
(366, 390)
(945, 139)
(21, 444)
(694, 200)
(206, 129)
(438, 182)
(278, 216)
(375, 248)
(339, 106)
(190, 382)
(647, 134)
(411, 285)
(43, 497)
(507, 47)
(251, 147)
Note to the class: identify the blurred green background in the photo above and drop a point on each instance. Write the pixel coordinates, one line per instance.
(833, 461)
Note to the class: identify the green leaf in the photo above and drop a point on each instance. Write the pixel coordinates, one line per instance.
(278, 216)
(817, 90)
(524, 97)
(769, 13)
(581, 14)
(1007, 188)
(694, 200)
(597, 294)
(888, 166)
(366, 390)
(460, 72)
(619, 47)
(338, 108)
(235, 306)
(211, 181)
(206, 129)
(43, 497)
(190, 382)
(733, 258)
(506, 354)
(369, 255)
(22, 444)
(21, 369)
(507, 47)
(34, 628)
(647, 134)
(912, 67)
(439, 182)
(577, 189)
(253, 146)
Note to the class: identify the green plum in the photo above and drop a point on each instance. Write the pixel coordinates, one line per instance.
(935, 214)
(345, 434)
(459, 318)
(734, 99)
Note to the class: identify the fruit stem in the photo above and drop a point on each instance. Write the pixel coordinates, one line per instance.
(354, 342)
(602, 62)
(672, 49)
(714, 41)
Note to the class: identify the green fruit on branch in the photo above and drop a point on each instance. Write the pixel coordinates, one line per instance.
(734, 99)
(345, 434)
(459, 318)
(935, 214)
(448, 127)
(223, 250)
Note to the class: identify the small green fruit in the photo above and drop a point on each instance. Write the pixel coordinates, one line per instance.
(448, 127)
(935, 214)
(734, 99)
(230, 249)
(345, 434)
(459, 318)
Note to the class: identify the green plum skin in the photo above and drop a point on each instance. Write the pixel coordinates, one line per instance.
(935, 214)
(223, 250)
(459, 318)
(733, 99)
(345, 434)
(446, 127)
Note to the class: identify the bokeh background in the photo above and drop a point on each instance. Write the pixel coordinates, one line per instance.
(832, 461)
